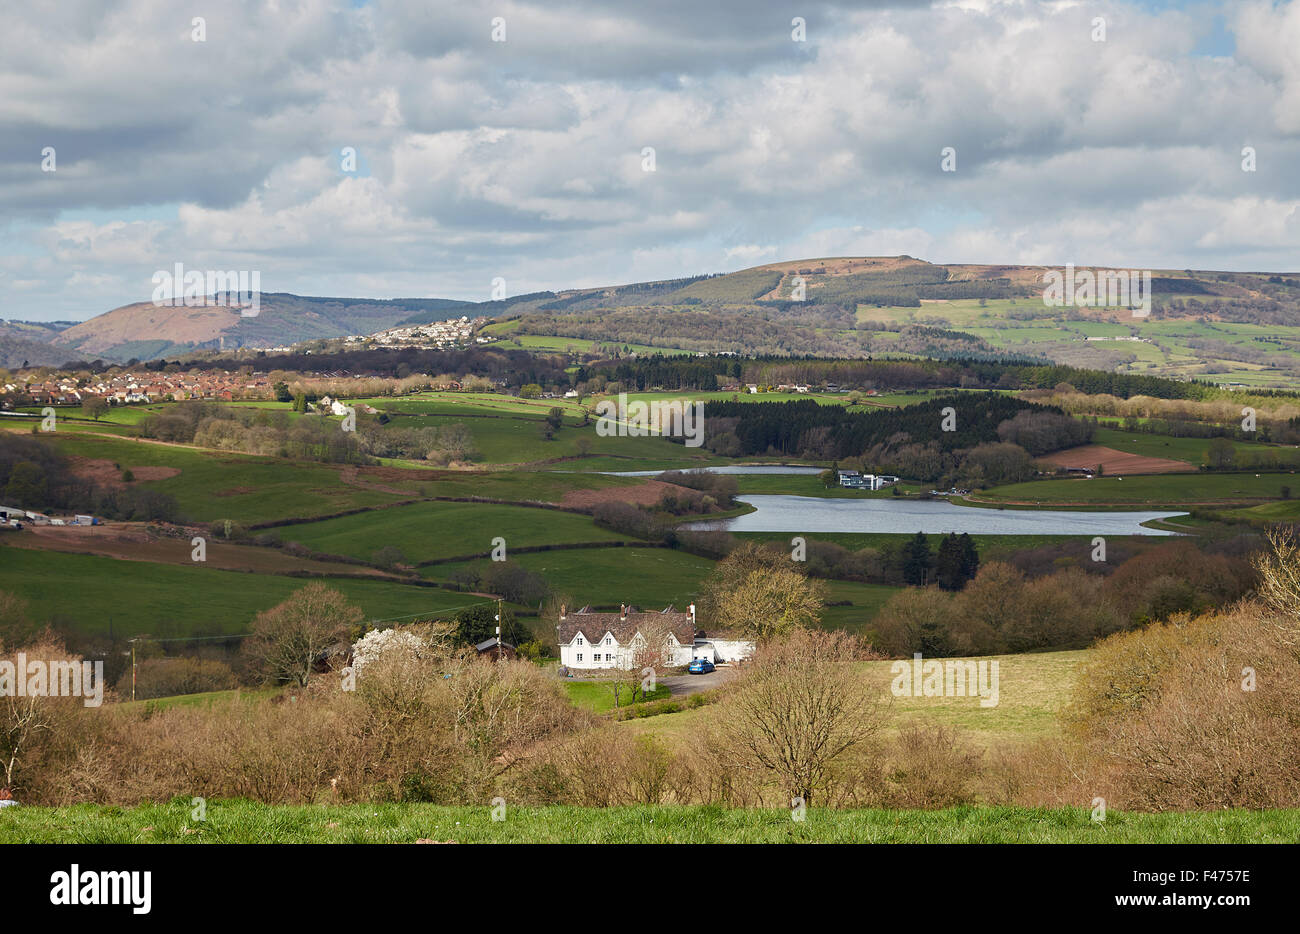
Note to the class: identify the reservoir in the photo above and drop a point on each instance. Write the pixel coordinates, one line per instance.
(779, 513)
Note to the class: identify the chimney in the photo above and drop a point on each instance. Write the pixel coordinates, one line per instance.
(622, 610)
(563, 609)
(692, 614)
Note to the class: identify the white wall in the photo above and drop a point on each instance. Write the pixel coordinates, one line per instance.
(677, 654)
(732, 650)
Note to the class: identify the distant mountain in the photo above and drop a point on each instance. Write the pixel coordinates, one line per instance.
(29, 342)
(146, 331)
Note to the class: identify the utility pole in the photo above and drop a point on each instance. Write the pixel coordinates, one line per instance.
(133, 669)
(498, 629)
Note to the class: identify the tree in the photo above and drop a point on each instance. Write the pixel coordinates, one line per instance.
(282, 393)
(94, 406)
(530, 391)
(772, 603)
(728, 573)
(915, 620)
(796, 710)
(16, 626)
(289, 639)
(970, 557)
(949, 570)
(1221, 455)
(477, 624)
(390, 556)
(917, 560)
(1279, 583)
(34, 727)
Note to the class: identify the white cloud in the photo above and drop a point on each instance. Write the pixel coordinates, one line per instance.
(523, 158)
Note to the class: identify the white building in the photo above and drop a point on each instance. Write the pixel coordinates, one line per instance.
(614, 640)
(589, 640)
(860, 481)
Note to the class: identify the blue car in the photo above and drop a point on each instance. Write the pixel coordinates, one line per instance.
(700, 666)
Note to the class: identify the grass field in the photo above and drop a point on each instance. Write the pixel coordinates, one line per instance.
(508, 430)
(233, 486)
(247, 822)
(430, 530)
(1169, 490)
(92, 593)
(1164, 346)
(651, 578)
(1032, 690)
(598, 696)
(1191, 450)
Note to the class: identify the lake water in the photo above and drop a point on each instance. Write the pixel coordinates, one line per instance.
(778, 513)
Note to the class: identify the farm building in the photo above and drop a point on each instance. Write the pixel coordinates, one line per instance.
(495, 649)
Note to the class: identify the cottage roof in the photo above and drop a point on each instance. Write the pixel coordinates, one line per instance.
(624, 626)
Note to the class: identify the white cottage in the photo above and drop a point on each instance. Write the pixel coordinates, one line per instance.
(590, 640)
(612, 640)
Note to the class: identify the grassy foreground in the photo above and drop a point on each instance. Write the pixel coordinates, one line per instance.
(247, 822)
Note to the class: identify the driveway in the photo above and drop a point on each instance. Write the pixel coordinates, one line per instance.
(685, 685)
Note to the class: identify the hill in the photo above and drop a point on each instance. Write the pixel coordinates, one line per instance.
(29, 343)
(1234, 327)
(145, 331)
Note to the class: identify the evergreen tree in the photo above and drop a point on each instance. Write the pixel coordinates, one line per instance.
(916, 559)
(949, 567)
(970, 558)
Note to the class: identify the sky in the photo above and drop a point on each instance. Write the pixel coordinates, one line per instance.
(425, 149)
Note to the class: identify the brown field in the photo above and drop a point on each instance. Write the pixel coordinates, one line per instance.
(103, 472)
(643, 494)
(1115, 463)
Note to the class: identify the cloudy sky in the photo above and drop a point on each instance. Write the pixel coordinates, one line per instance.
(523, 158)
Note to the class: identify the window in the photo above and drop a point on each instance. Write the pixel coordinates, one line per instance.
(579, 656)
(609, 658)
(609, 640)
(579, 643)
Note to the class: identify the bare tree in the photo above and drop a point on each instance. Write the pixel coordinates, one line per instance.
(1279, 581)
(33, 727)
(800, 706)
(288, 639)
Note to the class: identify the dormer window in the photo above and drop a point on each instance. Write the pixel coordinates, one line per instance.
(609, 640)
(579, 640)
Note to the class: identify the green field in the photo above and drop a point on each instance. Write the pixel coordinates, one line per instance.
(1191, 450)
(233, 486)
(430, 530)
(1164, 346)
(1033, 688)
(651, 578)
(92, 593)
(248, 822)
(598, 696)
(1168, 490)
